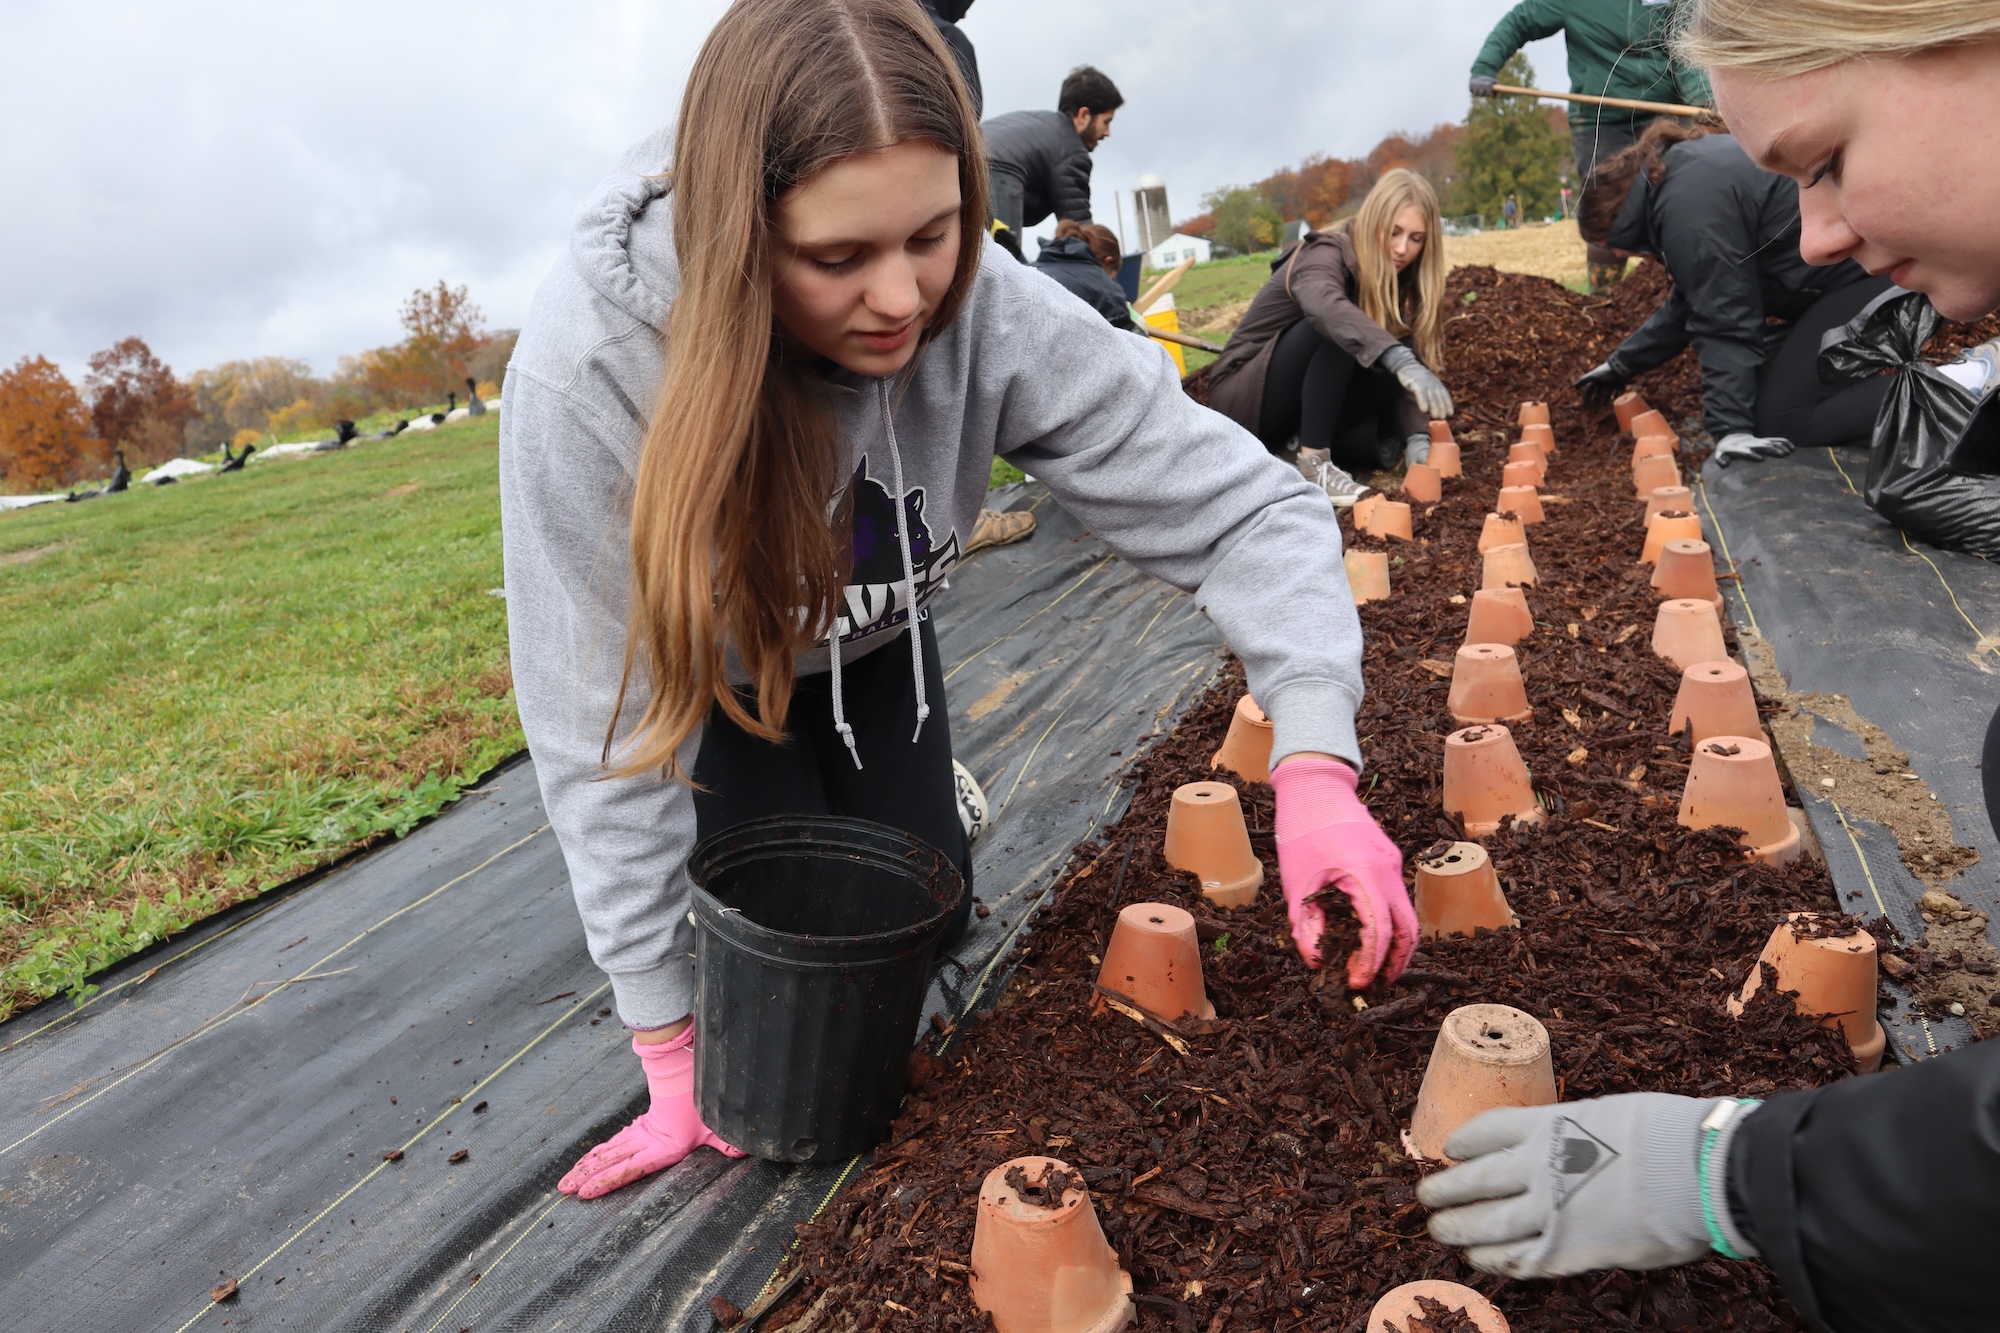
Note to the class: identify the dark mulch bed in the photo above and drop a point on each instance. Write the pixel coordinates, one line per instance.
(1254, 1180)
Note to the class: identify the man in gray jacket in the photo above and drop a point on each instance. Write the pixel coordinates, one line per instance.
(1040, 160)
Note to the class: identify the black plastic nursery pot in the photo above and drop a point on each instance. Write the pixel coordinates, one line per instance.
(814, 938)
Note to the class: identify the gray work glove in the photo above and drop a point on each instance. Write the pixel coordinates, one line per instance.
(1743, 445)
(1414, 375)
(1417, 449)
(1550, 1191)
(1482, 85)
(1602, 383)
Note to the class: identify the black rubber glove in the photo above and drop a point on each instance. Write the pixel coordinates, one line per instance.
(1602, 383)
(1482, 85)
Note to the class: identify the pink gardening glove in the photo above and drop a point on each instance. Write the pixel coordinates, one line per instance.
(669, 1131)
(1327, 837)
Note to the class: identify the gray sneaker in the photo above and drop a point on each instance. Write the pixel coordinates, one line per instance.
(1317, 467)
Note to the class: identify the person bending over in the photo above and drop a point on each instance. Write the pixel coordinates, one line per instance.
(1084, 258)
(750, 418)
(1040, 160)
(1728, 233)
(1875, 1199)
(1334, 366)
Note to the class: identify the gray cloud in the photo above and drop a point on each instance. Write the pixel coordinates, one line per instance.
(229, 180)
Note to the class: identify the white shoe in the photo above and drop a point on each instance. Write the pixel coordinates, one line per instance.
(1976, 369)
(1317, 467)
(971, 801)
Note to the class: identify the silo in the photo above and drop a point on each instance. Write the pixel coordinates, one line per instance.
(1150, 201)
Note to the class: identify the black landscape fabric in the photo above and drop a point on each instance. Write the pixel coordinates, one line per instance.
(226, 1107)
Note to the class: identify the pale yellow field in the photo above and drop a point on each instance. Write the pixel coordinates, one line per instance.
(1551, 251)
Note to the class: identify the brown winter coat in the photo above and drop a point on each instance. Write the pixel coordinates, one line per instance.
(1315, 282)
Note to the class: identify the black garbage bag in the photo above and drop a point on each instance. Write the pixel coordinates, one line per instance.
(1934, 467)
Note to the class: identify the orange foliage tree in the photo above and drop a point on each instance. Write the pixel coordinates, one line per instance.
(137, 404)
(45, 438)
(445, 331)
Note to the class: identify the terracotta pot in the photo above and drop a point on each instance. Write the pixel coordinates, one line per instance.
(1650, 422)
(1458, 892)
(1532, 414)
(1528, 474)
(1628, 405)
(1715, 699)
(1206, 835)
(1502, 530)
(1527, 451)
(1154, 960)
(1835, 982)
(1661, 499)
(1246, 750)
(1499, 615)
(1390, 518)
(1688, 630)
(1486, 1056)
(1686, 568)
(1367, 575)
(1395, 1311)
(1666, 527)
(1542, 436)
(1507, 567)
(1424, 484)
(1441, 432)
(1653, 446)
(1486, 686)
(1651, 472)
(1523, 500)
(1447, 459)
(1045, 1270)
(1485, 780)
(1733, 782)
(1364, 507)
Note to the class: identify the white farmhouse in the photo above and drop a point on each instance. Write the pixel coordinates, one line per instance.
(1176, 248)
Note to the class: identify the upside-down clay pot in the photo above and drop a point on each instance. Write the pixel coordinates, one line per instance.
(1507, 567)
(1045, 1270)
(1542, 435)
(1663, 499)
(1398, 1309)
(1733, 782)
(1486, 686)
(1499, 615)
(1835, 981)
(1628, 405)
(1363, 507)
(1502, 530)
(1650, 422)
(1423, 483)
(1715, 699)
(1246, 750)
(1687, 630)
(1652, 472)
(1154, 960)
(1532, 413)
(1206, 835)
(1390, 518)
(1458, 892)
(1486, 1056)
(1441, 432)
(1485, 780)
(1653, 446)
(1686, 568)
(1527, 451)
(1528, 473)
(1367, 575)
(1525, 501)
(1446, 458)
(1667, 527)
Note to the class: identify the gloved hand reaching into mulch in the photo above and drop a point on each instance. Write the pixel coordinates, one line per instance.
(1414, 375)
(1327, 839)
(1632, 1181)
(669, 1130)
(1743, 445)
(1603, 382)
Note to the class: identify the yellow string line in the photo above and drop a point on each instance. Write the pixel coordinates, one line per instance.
(1723, 539)
(451, 1109)
(1084, 578)
(1171, 599)
(237, 1011)
(1025, 763)
(498, 1259)
(1842, 471)
(1982, 643)
(1930, 1040)
(792, 1248)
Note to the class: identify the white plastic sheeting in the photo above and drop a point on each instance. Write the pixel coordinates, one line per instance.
(176, 468)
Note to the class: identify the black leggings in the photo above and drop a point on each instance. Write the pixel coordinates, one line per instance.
(1793, 403)
(907, 786)
(1321, 394)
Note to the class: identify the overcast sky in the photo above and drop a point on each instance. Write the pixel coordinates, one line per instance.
(233, 179)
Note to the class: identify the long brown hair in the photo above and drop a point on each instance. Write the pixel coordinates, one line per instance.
(1775, 41)
(737, 545)
(1610, 182)
(1411, 303)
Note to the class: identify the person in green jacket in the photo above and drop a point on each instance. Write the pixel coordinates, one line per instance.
(1617, 48)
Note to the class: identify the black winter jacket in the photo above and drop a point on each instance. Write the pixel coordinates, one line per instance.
(1070, 262)
(1728, 233)
(1043, 149)
(946, 14)
(1877, 1199)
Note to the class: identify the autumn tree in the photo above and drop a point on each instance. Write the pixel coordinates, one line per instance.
(1511, 147)
(241, 396)
(443, 332)
(136, 403)
(45, 438)
(1244, 219)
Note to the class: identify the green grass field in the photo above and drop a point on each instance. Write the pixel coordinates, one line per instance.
(211, 687)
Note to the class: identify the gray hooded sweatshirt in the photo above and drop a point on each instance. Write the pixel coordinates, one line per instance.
(1027, 372)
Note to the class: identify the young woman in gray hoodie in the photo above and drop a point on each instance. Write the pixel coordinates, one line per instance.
(751, 414)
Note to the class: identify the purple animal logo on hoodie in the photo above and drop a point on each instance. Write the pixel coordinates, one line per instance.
(875, 592)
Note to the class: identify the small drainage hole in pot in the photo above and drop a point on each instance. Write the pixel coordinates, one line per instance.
(1047, 1192)
(1157, 920)
(1495, 1034)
